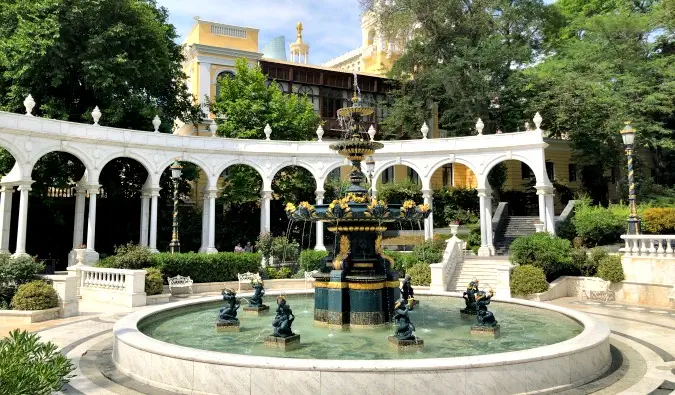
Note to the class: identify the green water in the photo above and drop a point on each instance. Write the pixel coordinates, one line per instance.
(436, 319)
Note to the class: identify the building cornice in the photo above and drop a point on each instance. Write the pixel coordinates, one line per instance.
(195, 50)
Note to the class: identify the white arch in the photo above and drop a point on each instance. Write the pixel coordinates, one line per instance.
(540, 176)
(239, 161)
(17, 154)
(387, 164)
(153, 175)
(305, 165)
(194, 160)
(77, 153)
(440, 163)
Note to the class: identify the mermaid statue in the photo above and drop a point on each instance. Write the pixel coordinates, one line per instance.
(483, 316)
(405, 330)
(258, 293)
(228, 314)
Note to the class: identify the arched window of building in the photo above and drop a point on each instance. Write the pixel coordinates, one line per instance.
(222, 74)
(276, 84)
(333, 100)
(306, 91)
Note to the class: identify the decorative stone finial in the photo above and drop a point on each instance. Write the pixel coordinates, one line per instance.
(425, 131)
(371, 132)
(29, 103)
(213, 128)
(537, 121)
(480, 126)
(298, 28)
(319, 133)
(96, 114)
(156, 122)
(268, 131)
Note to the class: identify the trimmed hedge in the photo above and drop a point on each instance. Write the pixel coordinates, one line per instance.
(598, 225)
(13, 273)
(154, 283)
(431, 251)
(420, 274)
(527, 279)
(659, 220)
(550, 253)
(311, 260)
(610, 269)
(35, 295)
(207, 268)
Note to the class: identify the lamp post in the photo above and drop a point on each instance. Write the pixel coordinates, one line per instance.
(175, 176)
(370, 169)
(628, 136)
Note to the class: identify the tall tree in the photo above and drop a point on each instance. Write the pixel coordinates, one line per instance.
(463, 55)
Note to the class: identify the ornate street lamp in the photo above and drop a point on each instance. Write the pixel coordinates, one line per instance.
(628, 136)
(370, 169)
(176, 171)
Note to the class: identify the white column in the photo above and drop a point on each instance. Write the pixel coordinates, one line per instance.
(319, 225)
(204, 86)
(91, 225)
(78, 224)
(153, 221)
(488, 224)
(427, 194)
(145, 217)
(211, 249)
(484, 250)
(205, 223)
(6, 194)
(265, 211)
(23, 220)
(550, 218)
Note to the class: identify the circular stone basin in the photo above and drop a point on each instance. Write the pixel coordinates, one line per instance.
(542, 348)
(436, 319)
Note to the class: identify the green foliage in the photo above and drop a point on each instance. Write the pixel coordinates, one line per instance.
(420, 274)
(431, 251)
(455, 204)
(154, 283)
(284, 250)
(29, 366)
(610, 269)
(566, 229)
(397, 193)
(550, 253)
(581, 262)
(205, 268)
(659, 220)
(13, 273)
(35, 295)
(282, 272)
(598, 225)
(527, 279)
(311, 260)
(132, 256)
(403, 261)
(264, 245)
(474, 240)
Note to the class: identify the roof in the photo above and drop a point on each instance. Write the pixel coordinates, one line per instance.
(312, 66)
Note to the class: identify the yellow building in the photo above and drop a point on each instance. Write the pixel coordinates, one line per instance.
(375, 55)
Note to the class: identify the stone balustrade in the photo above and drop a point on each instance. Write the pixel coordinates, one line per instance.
(649, 245)
(115, 286)
(442, 272)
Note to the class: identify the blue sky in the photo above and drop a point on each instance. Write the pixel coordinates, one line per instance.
(331, 27)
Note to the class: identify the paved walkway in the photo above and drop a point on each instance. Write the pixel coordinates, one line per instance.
(643, 348)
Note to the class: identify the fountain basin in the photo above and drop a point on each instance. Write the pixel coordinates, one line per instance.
(189, 370)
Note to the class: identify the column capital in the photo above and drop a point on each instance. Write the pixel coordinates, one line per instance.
(319, 193)
(211, 193)
(427, 193)
(24, 187)
(482, 192)
(6, 188)
(544, 189)
(266, 194)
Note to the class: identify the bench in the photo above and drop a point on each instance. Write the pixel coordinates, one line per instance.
(597, 285)
(246, 278)
(309, 276)
(180, 282)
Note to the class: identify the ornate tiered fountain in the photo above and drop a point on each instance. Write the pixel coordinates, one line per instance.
(357, 287)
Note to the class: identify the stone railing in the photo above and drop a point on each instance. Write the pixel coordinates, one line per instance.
(500, 215)
(649, 245)
(114, 286)
(442, 272)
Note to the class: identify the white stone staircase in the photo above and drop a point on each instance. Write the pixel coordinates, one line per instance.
(486, 270)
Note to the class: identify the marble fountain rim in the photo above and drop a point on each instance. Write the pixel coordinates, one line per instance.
(594, 334)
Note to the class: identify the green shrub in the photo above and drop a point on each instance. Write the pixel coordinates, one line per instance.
(550, 253)
(285, 250)
(397, 193)
(29, 366)
(527, 279)
(659, 220)
(108, 262)
(420, 274)
(598, 225)
(403, 261)
(282, 272)
(431, 251)
(13, 273)
(610, 269)
(264, 246)
(595, 255)
(581, 262)
(566, 229)
(206, 268)
(311, 260)
(132, 256)
(474, 239)
(35, 295)
(154, 283)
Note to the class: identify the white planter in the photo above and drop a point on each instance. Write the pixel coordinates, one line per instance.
(80, 255)
(453, 230)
